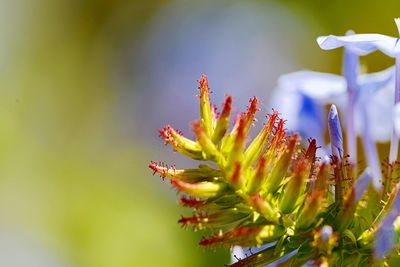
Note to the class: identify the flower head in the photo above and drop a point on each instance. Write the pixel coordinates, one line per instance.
(273, 190)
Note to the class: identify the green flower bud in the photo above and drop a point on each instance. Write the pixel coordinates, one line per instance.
(246, 236)
(205, 106)
(278, 142)
(321, 181)
(237, 179)
(204, 172)
(269, 233)
(180, 143)
(257, 146)
(264, 208)
(256, 181)
(210, 150)
(226, 218)
(346, 214)
(294, 188)
(311, 208)
(242, 123)
(201, 189)
(236, 153)
(280, 168)
(223, 121)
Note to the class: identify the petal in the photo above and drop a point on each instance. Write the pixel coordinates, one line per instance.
(385, 236)
(362, 44)
(311, 119)
(379, 113)
(370, 150)
(288, 104)
(351, 69)
(317, 85)
(371, 82)
(300, 98)
(362, 184)
(384, 242)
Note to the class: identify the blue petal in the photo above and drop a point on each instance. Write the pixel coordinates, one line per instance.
(375, 92)
(371, 82)
(362, 44)
(312, 121)
(362, 184)
(317, 85)
(370, 150)
(385, 236)
(288, 103)
(351, 67)
(301, 96)
(384, 242)
(379, 112)
(283, 259)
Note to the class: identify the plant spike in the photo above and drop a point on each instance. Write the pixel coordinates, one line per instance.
(205, 106)
(222, 123)
(277, 190)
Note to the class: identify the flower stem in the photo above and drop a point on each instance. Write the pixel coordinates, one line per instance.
(394, 142)
(351, 136)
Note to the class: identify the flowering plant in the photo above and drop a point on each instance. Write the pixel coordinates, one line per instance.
(274, 189)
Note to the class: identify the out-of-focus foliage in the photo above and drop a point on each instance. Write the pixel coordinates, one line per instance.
(72, 177)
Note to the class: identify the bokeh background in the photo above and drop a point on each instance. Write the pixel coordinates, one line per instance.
(84, 87)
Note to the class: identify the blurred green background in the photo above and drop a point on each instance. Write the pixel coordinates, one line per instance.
(86, 84)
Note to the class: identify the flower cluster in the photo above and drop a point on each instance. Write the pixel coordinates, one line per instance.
(272, 189)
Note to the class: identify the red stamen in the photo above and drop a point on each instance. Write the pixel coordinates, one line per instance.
(240, 136)
(197, 129)
(237, 120)
(321, 183)
(235, 179)
(204, 89)
(195, 220)
(214, 112)
(311, 150)
(241, 235)
(253, 107)
(162, 168)
(227, 106)
(191, 202)
(181, 186)
(166, 134)
(251, 111)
